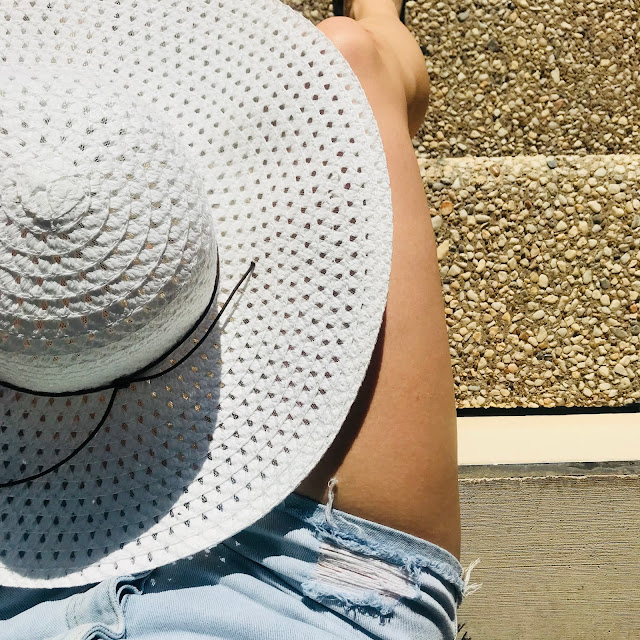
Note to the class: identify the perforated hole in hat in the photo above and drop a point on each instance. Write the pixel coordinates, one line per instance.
(139, 143)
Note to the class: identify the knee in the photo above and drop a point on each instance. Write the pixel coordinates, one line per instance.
(355, 43)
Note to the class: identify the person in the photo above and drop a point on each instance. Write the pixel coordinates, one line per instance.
(369, 543)
(409, 384)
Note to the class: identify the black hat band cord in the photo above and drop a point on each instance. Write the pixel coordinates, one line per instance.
(125, 381)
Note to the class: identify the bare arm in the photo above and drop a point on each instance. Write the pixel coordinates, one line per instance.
(396, 456)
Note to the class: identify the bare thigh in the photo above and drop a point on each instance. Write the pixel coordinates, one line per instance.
(395, 458)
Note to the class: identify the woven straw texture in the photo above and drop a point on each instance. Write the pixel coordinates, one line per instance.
(139, 141)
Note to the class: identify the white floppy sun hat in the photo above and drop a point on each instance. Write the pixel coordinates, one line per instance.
(151, 153)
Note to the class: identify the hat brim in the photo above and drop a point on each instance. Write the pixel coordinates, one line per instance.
(191, 458)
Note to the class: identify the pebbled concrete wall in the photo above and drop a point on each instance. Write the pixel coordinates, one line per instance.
(527, 154)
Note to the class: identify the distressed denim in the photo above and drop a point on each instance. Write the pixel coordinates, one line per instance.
(304, 571)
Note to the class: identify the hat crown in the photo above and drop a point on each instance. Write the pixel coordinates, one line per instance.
(107, 249)
(50, 199)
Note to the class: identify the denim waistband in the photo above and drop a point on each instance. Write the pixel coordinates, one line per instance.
(304, 570)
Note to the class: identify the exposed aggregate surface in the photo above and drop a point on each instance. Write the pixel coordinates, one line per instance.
(527, 155)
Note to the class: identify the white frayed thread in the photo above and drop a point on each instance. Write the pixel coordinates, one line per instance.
(327, 508)
(353, 572)
(329, 513)
(468, 589)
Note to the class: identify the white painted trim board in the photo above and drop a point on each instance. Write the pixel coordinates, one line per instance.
(548, 438)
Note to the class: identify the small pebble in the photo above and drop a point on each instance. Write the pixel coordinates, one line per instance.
(543, 281)
(620, 370)
(446, 207)
(552, 163)
(594, 206)
(443, 249)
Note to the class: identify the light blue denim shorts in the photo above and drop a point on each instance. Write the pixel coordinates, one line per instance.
(304, 571)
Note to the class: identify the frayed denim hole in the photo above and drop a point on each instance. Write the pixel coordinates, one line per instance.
(353, 572)
(350, 536)
(331, 528)
(358, 582)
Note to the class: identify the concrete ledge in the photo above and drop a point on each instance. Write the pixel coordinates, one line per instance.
(559, 552)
